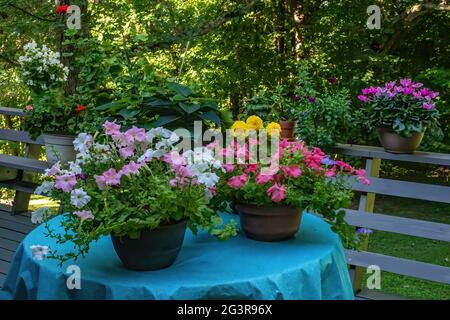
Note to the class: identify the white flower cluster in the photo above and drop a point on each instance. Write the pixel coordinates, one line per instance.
(42, 67)
(202, 163)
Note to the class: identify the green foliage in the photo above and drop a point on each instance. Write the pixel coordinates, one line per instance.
(273, 105)
(322, 109)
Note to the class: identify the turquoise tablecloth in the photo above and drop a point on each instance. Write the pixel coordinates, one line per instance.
(311, 266)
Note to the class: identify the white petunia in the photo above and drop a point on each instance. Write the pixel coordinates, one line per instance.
(158, 132)
(82, 142)
(79, 198)
(40, 215)
(208, 179)
(39, 252)
(45, 188)
(74, 167)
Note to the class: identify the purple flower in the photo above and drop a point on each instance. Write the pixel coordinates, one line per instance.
(327, 161)
(406, 82)
(82, 176)
(428, 106)
(332, 80)
(408, 91)
(363, 98)
(364, 231)
(295, 97)
(311, 99)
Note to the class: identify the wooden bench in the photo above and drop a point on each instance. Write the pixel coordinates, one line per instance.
(364, 216)
(26, 165)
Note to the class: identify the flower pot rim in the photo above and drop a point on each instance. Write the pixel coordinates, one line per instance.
(162, 226)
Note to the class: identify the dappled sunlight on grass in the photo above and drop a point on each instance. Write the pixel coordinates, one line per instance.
(37, 202)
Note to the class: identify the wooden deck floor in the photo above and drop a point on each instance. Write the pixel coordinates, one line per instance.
(13, 228)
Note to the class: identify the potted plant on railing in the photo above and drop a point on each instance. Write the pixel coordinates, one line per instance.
(271, 198)
(135, 187)
(401, 113)
(49, 113)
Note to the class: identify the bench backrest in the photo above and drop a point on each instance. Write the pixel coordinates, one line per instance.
(15, 135)
(389, 223)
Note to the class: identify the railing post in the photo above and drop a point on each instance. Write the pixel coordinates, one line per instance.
(366, 203)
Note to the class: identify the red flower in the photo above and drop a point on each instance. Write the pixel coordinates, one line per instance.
(62, 9)
(80, 108)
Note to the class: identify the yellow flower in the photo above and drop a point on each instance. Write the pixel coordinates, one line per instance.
(273, 128)
(240, 128)
(255, 122)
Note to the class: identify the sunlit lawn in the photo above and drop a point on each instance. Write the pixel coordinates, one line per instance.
(430, 251)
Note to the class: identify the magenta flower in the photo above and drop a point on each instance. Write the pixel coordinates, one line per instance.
(251, 168)
(276, 192)
(293, 171)
(408, 91)
(228, 167)
(111, 128)
(428, 106)
(237, 182)
(66, 182)
(363, 98)
(262, 179)
(332, 80)
(406, 82)
(84, 215)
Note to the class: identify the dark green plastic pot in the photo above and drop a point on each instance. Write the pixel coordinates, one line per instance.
(155, 249)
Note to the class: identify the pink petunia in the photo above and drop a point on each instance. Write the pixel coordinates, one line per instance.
(111, 128)
(277, 193)
(66, 182)
(262, 179)
(293, 171)
(130, 168)
(135, 134)
(84, 215)
(361, 174)
(251, 168)
(126, 152)
(54, 170)
(174, 159)
(112, 178)
(100, 181)
(228, 168)
(330, 172)
(237, 182)
(29, 107)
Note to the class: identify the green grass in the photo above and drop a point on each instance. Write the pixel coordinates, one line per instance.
(430, 251)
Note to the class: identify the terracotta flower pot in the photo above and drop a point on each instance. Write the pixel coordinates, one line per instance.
(59, 148)
(155, 249)
(288, 130)
(269, 223)
(394, 143)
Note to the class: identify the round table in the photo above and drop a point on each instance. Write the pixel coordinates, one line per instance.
(310, 266)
